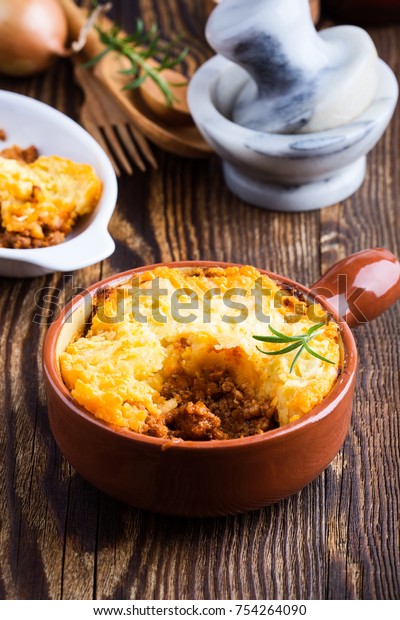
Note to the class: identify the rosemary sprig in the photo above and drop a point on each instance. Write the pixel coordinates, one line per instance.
(297, 342)
(139, 48)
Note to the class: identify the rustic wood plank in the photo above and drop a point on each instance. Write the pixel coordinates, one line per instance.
(193, 215)
(363, 527)
(35, 494)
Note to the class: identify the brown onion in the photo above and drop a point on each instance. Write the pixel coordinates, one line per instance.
(32, 32)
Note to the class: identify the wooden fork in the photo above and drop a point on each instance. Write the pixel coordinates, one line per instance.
(100, 114)
(107, 122)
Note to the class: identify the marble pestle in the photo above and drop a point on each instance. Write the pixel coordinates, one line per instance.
(299, 80)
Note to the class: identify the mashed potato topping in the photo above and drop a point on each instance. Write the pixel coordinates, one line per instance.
(172, 354)
(40, 201)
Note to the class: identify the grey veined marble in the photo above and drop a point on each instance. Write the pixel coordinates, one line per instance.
(292, 112)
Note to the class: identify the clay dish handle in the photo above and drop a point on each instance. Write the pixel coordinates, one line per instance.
(361, 286)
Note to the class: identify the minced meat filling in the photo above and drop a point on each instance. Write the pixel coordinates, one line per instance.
(210, 406)
(19, 241)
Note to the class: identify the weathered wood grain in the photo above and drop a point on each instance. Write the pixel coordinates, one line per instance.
(339, 537)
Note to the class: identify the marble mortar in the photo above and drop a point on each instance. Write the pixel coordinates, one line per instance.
(268, 128)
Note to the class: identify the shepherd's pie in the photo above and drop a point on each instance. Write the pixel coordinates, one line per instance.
(184, 363)
(41, 198)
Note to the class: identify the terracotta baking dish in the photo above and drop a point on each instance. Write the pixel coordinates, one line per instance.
(194, 478)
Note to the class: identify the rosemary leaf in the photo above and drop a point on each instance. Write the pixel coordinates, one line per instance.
(272, 339)
(299, 342)
(291, 347)
(93, 61)
(284, 337)
(296, 357)
(314, 328)
(136, 83)
(140, 49)
(315, 354)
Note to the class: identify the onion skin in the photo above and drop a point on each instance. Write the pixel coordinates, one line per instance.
(32, 32)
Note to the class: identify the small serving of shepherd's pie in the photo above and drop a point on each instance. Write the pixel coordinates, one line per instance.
(204, 353)
(41, 198)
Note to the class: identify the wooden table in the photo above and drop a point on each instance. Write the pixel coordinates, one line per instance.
(339, 537)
